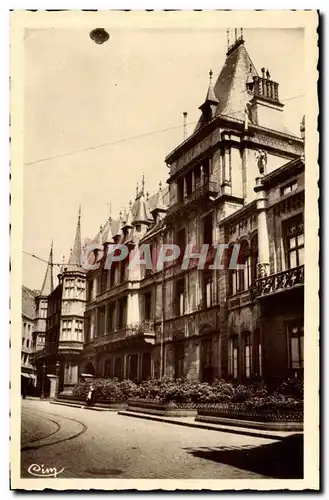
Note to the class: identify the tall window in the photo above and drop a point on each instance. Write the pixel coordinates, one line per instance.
(110, 319)
(79, 330)
(247, 354)
(207, 288)
(180, 297)
(181, 242)
(179, 357)
(101, 321)
(103, 279)
(233, 352)
(295, 241)
(146, 365)
(254, 257)
(44, 307)
(66, 329)
(81, 285)
(107, 368)
(207, 229)
(69, 288)
(118, 368)
(147, 305)
(296, 339)
(206, 360)
(112, 275)
(122, 313)
(133, 367)
(89, 290)
(180, 189)
(88, 327)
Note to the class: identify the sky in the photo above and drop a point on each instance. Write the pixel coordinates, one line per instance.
(80, 95)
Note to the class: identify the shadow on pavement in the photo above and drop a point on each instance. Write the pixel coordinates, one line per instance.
(280, 460)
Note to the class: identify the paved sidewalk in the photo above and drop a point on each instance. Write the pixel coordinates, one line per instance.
(190, 422)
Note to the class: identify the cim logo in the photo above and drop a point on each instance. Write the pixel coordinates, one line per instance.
(42, 471)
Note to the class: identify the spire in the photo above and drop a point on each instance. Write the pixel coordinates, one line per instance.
(48, 282)
(211, 102)
(75, 257)
(142, 211)
(159, 205)
(129, 218)
(107, 231)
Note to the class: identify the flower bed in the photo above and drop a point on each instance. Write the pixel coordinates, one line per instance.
(220, 399)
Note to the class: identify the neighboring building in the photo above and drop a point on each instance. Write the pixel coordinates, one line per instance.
(28, 372)
(237, 179)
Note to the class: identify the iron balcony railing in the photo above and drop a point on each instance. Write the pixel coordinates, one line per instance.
(208, 188)
(280, 281)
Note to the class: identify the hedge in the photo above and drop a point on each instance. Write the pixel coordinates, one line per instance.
(288, 396)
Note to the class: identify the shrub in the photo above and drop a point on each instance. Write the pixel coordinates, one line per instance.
(292, 387)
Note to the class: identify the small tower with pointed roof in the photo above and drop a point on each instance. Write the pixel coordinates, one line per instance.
(209, 106)
(159, 210)
(71, 336)
(141, 217)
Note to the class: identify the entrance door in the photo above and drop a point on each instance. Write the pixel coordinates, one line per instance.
(133, 364)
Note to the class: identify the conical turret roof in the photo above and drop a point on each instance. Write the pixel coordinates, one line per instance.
(48, 282)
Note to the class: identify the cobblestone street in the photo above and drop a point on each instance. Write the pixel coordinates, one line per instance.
(106, 445)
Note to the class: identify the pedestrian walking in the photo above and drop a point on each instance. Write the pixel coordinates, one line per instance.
(91, 396)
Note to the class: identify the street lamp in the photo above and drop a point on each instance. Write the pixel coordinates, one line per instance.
(42, 396)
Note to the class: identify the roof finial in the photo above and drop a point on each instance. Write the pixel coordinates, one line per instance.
(241, 33)
(210, 76)
(236, 33)
(268, 76)
(147, 195)
(137, 188)
(160, 186)
(228, 38)
(130, 204)
(263, 72)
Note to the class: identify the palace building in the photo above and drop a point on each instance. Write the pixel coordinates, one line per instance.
(238, 179)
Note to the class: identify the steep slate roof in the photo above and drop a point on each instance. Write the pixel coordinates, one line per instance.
(230, 87)
(113, 227)
(28, 302)
(48, 282)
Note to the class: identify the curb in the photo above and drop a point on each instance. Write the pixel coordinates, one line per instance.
(82, 406)
(210, 427)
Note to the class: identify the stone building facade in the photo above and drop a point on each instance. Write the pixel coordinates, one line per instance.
(239, 178)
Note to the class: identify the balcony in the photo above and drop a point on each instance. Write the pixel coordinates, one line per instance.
(143, 329)
(279, 282)
(240, 300)
(208, 189)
